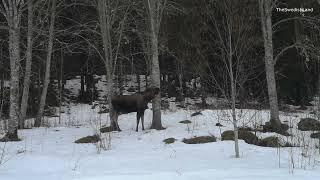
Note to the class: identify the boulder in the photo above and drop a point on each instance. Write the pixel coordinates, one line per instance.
(185, 122)
(315, 135)
(247, 136)
(88, 139)
(269, 128)
(169, 140)
(309, 124)
(271, 141)
(200, 140)
(196, 113)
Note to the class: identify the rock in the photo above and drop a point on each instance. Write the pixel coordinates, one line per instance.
(106, 129)
(247, 136)
(283, 131)
(88, 139)
(169, 140)
(10, 137)
(271, 141)
(200, 140)
(196, 113)
(245, 128)
(219, 125)
(185, 122)
(315, 135)
(309, 124)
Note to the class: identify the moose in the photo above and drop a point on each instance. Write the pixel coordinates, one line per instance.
(124, 104)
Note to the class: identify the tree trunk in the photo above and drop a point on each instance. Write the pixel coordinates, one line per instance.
(1, 77)
(61, 85)
(48, 66)
(83, 75)
(13, 18)
(105, 28)
(233, 99)
(155, 81)
(27, 75)
(154, 15)
(146, 79)
(266, 17)
(318, 105)
(139, 82)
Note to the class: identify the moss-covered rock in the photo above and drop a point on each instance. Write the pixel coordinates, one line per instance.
(309, 124)
(11, 137)
(315, 135)
(185, 122)
(245, 128)
(271, 141)
(106, 129)
(169, 140)
(196, 113)
(88, 139)
(200, 140)
(247, 136)
(283, 129)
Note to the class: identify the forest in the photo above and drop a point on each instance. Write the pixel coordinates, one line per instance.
(236, 78)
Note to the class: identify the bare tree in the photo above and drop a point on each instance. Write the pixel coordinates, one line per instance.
(48, 64)
(104, 11)
(11, 10)
(232, 38)
(107, 10)
(155, 10)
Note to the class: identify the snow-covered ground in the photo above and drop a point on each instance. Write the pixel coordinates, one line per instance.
(51, 154)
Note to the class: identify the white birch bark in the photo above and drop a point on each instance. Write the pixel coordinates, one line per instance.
(11, 11)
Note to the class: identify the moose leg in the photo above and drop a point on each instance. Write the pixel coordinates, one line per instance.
(138, 118)
(142, 120)
(114, 121)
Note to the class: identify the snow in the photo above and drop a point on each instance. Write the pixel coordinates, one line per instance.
(49, 153)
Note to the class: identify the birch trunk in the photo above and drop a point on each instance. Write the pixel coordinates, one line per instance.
(12, 14)
(266, 22)
(27, 75)
(105, 28)
(48, 66)
(233, 99)
(154, 7)
(14, 43)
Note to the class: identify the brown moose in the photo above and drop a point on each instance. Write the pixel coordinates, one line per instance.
(138, 102)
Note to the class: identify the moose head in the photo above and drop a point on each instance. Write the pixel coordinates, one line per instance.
(151, 93)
